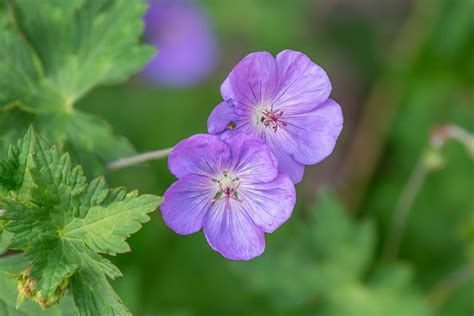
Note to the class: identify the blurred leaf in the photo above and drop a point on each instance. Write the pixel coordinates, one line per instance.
(331, 250)
(89, 139)
(388, 292)
(14, 124)
(5, 239)
(63, 224)
(13, 264)
(59, 50)
(53, 52)
(322, 270)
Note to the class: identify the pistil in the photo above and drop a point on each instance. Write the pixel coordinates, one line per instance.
(273, 119)
(227, 187)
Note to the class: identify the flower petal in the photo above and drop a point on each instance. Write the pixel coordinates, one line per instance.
(220, 118)
(232, 232)
(252, 160)
(269, 204)
(286, 163)
(185, 204)
(252, 81)
(303, 85)
(200, 154)
(315, 132)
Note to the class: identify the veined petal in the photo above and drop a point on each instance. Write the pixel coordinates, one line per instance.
(281, 145)
(200, 154)
(185, 204)
(302, 86)
(315, 132)
(251, 82)
(232, 232)
(222, 118)
(252, 159)
(269, 204)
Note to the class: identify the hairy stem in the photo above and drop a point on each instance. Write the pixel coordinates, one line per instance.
(134, 160)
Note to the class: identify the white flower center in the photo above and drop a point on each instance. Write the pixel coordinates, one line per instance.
(226, 187)
(267, 117)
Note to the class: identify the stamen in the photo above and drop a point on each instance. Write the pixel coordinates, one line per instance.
(273, 119)
(227, 187)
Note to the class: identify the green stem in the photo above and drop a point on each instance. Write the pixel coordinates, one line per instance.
(137, 159)
(403, 207)
(430, 160)
(448, 284)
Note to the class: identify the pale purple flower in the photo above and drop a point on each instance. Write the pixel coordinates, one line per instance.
(284, 101)
(186, 43)
(231, 188)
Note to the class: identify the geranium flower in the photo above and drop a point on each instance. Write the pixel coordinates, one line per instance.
(284, 101)
(230, 187)
(186, 43)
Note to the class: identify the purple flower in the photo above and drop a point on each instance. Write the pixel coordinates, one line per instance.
(185, 40)
(284, 101)
(230, 187)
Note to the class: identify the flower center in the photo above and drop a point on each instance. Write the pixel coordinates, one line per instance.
(270, 118)
(227, 186)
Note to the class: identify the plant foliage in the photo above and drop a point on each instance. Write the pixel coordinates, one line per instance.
(53, 53)
(64, 225)
(324, 268)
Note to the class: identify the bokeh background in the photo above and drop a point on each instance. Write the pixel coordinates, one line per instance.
(385, 226)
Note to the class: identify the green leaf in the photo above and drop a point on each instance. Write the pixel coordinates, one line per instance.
(65, 48)
(14, 170)
(332, 250)
(13, 264)
(90, 140)
(53, 53)
(14, 125)
(63, 224)
(5, 238)
(387, 292)
(8, 285)
(322, 270)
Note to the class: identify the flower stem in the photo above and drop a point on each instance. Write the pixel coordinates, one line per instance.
(403, 207)
(448, 284)
(134, 160)
(430, 160)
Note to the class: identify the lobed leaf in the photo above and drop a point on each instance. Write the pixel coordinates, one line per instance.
(53, 53)
(56, 51)
(64, 224)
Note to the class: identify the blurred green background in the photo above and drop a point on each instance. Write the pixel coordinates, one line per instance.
(399, 69)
